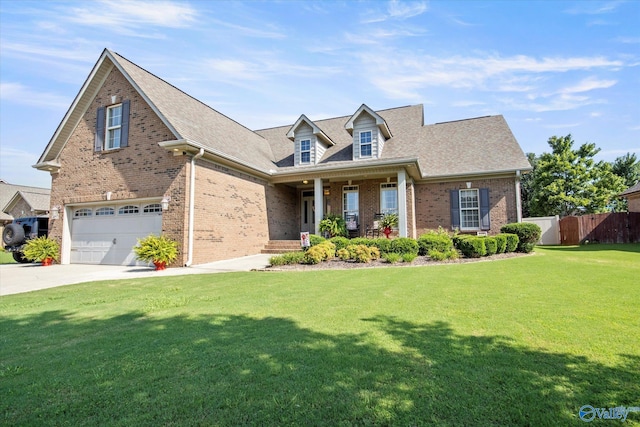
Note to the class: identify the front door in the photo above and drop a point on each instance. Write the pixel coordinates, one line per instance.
(307, 214)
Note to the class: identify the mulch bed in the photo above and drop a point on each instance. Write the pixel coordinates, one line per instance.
(420, 261)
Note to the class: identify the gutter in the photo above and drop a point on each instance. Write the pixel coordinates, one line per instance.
(192, 197)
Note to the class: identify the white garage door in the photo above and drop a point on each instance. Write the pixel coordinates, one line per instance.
(107, 234)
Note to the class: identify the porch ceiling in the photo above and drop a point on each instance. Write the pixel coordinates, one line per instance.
(370, 172)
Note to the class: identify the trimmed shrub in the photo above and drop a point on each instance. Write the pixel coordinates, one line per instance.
(491, 245)
(363, 253)
(391, 257)
(344, 254)
(473, 247)
(314, 239)
(361, 241)
(436, 255)
(501, 243)
(288, 258)
(409, 257)
(321, 252)
(404, 245)
(512, 242)
(528, 233)
(340, 242)
(458, 238)
(383, 245)
(439, 242)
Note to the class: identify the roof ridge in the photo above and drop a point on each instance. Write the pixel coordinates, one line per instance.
(183, 92)
(464, 120)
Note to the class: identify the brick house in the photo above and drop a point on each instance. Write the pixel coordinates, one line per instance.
(632, 194)
(135, 155)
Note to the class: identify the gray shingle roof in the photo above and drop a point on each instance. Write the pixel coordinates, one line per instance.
(474, 146)
(37, 197)
(198, 122)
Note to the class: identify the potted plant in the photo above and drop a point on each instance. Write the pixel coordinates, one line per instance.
(333, 225)
(387, 222)
(159, 250)
(42, 249)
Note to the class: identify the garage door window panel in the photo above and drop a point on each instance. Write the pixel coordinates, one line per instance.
(152, 208)
(129, 210)
(105, 211)
(84, 212)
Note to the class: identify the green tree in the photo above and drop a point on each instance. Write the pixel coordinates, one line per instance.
(526, 186)
(569, 181)
(628, 168)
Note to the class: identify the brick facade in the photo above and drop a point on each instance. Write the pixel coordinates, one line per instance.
(432, 203)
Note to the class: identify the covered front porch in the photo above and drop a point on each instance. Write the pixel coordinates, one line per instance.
(359, 196)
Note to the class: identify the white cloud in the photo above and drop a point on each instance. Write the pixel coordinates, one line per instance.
(588, 84)
(20, 94)
(128, 13)
(594, 7)
(404, 10)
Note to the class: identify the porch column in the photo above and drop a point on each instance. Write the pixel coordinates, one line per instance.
(318, 201)
(402, 203)
(518, 198)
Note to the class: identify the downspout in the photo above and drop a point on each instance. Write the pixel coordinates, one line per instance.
(192, 197)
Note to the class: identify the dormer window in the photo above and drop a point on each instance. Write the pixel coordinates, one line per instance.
(365, 144)
(305, 151)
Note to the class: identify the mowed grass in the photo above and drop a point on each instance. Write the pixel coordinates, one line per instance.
(6, 257)
(522, 341)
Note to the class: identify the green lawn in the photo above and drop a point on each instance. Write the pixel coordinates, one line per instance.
(6, 257)
(522, 341)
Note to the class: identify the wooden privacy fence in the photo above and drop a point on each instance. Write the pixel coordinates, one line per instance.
(619, 227)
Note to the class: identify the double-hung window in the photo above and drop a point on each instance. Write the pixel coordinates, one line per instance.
(350, 203)
(114, 126)
(305, 151)
(365, 144)
(389, 198)
(469, 209)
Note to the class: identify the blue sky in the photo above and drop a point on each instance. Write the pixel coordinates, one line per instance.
(550, 67)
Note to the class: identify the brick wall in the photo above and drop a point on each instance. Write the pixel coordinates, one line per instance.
(230, 214)
(433, 204)
(143, 169)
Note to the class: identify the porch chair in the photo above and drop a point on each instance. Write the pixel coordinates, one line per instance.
(353, 228)
(374, 228)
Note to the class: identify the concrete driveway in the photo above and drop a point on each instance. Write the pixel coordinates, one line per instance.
(18, 278)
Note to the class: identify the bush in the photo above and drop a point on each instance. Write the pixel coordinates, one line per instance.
(41, 248)
(391, 257)
(383, 245)
(363, 253)
(437, 255)
(340, 242)
(439, 242)
(334, 225)
(288, 258)
(528, 233)
(408, 257)
(314, 239)
(404, 245)
(473, 247)
(501, 243)
(457, 239)
(491, 245)
(321, 252)
(156, 249)
(512, 242)
(361, 241)
(344, 254)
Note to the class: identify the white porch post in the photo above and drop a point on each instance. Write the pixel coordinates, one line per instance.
(318, 201)
(402, 203)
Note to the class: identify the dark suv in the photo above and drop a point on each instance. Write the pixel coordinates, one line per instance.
(16, 234)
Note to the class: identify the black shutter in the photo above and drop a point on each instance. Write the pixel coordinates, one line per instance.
(99, 137)
(485, 220)
(455, 208)
(124, 129)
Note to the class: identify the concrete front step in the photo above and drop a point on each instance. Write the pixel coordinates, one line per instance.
(281, 246)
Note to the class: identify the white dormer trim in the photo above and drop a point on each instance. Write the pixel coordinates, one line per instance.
(315, 129)
(380, 122)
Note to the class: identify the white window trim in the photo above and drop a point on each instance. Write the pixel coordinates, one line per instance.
(476, 209)
(115, 128)
(370, 143)
(102, 211)
(385, 186)
(129, 210)
(350, 189)
(305, 151)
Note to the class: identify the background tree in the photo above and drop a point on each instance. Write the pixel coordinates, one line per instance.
(568, 181)
(628, 168)
(526, 186)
